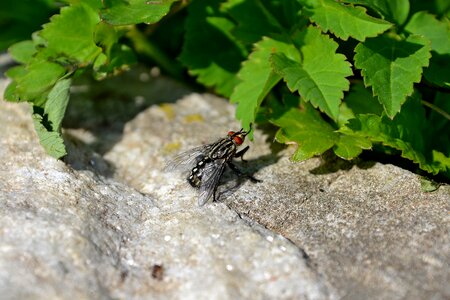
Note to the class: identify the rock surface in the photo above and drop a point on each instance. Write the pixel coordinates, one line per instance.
(109, 223)
(72, 233)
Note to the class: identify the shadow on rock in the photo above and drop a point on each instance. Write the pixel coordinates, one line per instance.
(230, 182)
(81, 156)
(103, 108)
(332, 164)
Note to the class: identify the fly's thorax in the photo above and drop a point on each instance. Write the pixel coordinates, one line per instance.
(224, 148)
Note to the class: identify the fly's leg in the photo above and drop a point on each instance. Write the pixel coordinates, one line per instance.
(217, 186)
(239, 173)
(241, 154)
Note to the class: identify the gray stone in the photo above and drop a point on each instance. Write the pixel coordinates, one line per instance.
(73, 231)
(109, 223)
(365, 227)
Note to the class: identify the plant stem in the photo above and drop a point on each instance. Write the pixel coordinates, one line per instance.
(437, 109)
(144, 46)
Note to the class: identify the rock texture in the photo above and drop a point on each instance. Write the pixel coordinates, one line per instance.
(68, 232)
(109, 223)
(366, 228)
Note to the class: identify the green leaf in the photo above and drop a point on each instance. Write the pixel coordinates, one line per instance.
(394, 11)
(320, 76)
(39, 41)
(115, 56)
(305, 128)
(120, 58)
(342, 20)
(16, 72)
(428, 185)
(210, 51)
(22, 52)
(50, 140)
(440, 163)
(56, 105)
(358, 101)
(350, 146)
(74, 42)
(405, 133)
(438, 32)
(127, 12)
(47, 120)
(105, 36)
(39, 77)
(11, 93)
(257, 79)
(253, 19)
(391, 67)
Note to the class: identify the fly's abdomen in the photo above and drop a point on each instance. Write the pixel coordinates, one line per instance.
(195, 177)
(194, 180)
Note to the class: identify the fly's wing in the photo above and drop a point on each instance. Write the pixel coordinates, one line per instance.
(186, 160)
(210, 180)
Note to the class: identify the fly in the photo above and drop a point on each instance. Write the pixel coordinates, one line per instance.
(208, 162)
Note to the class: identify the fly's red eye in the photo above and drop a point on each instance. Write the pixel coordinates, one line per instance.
(230, 133)
(238, 140)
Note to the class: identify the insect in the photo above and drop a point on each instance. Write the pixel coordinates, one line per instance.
(207, 163)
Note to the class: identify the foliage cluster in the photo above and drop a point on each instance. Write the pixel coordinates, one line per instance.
(344, 76)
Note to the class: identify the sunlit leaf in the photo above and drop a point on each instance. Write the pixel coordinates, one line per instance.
(391, 67)
(343, 20)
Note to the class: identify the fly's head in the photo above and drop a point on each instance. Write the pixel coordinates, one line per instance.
(238, 137)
